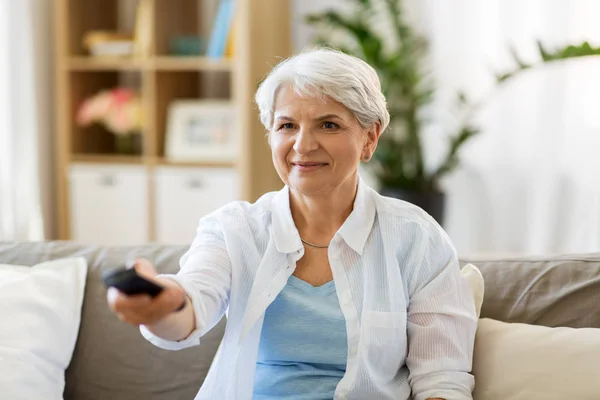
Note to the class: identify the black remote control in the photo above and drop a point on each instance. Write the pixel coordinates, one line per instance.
(129, 282)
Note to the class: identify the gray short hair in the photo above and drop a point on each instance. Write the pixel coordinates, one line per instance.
(327, 73)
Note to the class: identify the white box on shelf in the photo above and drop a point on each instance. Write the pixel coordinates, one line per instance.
(184, 194)
(108, 204)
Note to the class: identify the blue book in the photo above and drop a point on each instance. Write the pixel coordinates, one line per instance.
(221, 29)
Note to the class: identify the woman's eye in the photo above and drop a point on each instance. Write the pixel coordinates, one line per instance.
(330, 125)
(286, 126)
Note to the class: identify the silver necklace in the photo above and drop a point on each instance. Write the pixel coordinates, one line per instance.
(319, 246)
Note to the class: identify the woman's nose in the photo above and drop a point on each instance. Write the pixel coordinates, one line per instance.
(305, 142)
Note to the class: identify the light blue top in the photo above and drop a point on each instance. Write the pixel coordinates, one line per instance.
(303, 345)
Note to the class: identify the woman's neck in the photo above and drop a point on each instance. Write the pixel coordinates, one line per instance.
(319, 217)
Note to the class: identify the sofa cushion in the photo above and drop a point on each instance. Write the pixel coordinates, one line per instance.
(547, 290)
(524, 362)
(111, 359)
(40, 309)
(472, 275)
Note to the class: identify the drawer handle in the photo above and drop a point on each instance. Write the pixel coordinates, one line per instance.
(195, 184)
(108, 180)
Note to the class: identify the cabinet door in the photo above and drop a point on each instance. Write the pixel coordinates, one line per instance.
(183, 195)
(109, 204)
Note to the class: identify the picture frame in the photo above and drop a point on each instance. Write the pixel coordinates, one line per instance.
(201, 131)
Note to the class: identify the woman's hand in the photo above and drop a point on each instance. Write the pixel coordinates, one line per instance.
(143, 309)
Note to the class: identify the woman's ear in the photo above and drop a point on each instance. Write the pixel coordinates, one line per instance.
(268, 136)
(373, 134)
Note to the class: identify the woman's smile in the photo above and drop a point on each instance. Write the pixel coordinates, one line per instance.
(308, 166)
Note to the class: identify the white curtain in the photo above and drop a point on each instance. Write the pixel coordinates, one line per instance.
(529, 182)
(25, 119)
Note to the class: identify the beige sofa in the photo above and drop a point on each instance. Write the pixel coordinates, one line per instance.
(112, 361)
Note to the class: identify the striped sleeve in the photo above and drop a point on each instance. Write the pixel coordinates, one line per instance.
(441, 324)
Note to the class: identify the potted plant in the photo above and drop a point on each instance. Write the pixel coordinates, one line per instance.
(399, 162)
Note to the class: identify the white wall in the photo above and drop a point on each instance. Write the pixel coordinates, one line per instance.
(301, 32)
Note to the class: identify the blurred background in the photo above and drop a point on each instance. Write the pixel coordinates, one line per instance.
(124, 121)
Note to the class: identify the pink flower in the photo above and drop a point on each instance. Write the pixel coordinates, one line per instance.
(94, 109)
(119, 110)
(124, 118)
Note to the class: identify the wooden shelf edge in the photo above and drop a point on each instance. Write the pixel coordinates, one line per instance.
(159, 63)
(137, 159)
(154, 161)
(170, 63)
(207, 164)
(83, 63)
(107, 159)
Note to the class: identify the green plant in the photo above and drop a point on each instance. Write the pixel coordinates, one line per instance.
(399, 160)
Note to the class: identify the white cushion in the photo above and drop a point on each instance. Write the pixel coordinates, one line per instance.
(475, 280)
(523, 362)
(40, 310)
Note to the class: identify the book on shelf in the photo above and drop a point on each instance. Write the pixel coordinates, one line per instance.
(143, 28)
(222, 32)
(230, 47)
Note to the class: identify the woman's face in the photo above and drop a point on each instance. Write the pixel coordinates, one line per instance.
(317, 145)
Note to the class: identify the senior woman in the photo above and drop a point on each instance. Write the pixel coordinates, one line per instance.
(331, 290)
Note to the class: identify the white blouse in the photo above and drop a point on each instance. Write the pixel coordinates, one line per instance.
(410, 316)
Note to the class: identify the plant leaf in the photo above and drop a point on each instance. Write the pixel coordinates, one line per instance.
(543, 52)
(517, 58)
(500, 78)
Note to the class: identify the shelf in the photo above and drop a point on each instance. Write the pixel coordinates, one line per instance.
(107, 159)
(167, 63)
(133, 159)
(105, 64)
(207, 164)
(160, 63)
(160, 77)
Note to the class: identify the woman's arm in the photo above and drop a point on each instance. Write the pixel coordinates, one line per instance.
(179, 324)
(205, 277)
(441, 324)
